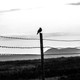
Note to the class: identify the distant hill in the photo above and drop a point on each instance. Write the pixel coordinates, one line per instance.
(63, 51)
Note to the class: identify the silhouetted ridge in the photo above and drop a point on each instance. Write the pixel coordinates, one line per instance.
(62, 51)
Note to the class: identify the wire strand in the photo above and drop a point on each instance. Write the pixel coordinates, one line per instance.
(38, 39)
(19, 38)
(22, 47)
(61, 40)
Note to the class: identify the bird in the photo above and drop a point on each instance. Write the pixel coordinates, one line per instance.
(39, 30)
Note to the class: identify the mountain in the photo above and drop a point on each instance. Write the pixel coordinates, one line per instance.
(63, 51)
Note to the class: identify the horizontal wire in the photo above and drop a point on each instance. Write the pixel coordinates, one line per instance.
(44, 54)
(39, 39)
(19, 38)
(22, 47)
(61, 40)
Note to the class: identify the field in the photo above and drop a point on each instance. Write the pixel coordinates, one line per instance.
(55, 69)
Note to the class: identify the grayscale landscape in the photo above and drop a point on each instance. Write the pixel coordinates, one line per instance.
(39, 39)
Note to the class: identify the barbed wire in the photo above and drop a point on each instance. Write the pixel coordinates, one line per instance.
(23, 47)
(39, 54)
(62, 40)
(19, 38)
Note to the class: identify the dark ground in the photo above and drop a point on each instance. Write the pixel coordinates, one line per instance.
(60, 68)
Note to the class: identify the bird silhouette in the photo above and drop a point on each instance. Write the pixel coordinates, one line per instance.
(39, 30)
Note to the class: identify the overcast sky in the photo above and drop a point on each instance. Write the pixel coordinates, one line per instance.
(24, 17)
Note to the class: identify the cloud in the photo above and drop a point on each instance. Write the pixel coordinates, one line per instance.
(11, 10)
(4, 11)
(76, 4)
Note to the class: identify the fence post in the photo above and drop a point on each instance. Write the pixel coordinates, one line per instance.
(42, 56)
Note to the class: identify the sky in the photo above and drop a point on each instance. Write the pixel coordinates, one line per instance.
(59, 19)
(26, 16)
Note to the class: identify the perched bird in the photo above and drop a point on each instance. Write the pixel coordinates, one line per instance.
(39, 30)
